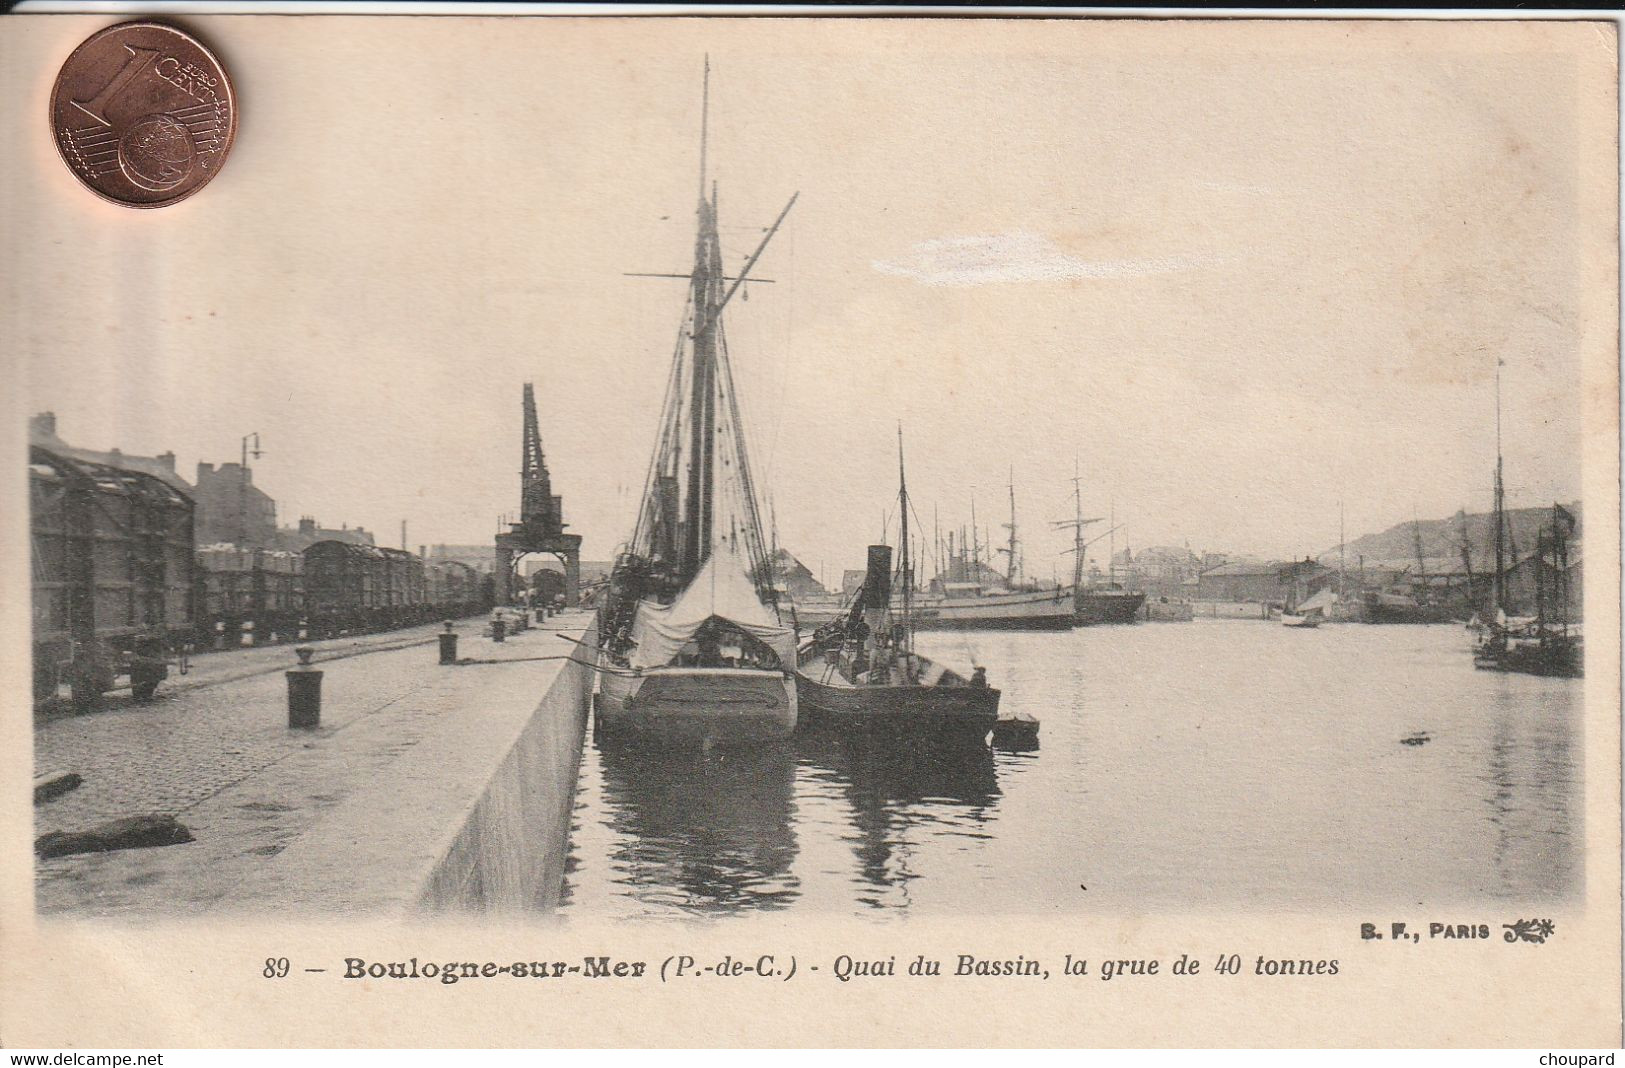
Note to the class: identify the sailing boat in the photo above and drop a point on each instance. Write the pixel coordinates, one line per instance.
(861, 672)
(692, 645)
(1418, 604)
(1548, 644)
(1311, 611)
(1094, 604)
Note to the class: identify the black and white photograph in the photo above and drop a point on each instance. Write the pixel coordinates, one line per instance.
(875, 475)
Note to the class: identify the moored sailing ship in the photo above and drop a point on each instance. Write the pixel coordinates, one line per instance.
(1547, 643)
(691, 643)
(967, 594)
(1095, 603)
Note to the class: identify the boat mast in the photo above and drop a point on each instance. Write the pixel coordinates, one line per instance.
(1498, 589)
(906, 565)
(1077, 529)
(702, 338)
(712, 380)
(1010, 568)
(1111, 546)
(1467, 555)
(1342, 574)
(976, 544)
(1421, 562)
(936, 540)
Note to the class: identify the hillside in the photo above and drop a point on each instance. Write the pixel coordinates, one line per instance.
(1442, 537)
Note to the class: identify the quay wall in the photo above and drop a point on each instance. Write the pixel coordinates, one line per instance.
(508, 855)
(472, 818)
(1230, 609)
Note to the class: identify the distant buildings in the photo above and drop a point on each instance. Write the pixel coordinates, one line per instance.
(307, 533)
(1162, 570)
(793, 576)
(1270, 582)
(229, 507)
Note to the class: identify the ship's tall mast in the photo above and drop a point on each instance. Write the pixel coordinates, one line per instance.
(1010, 565)
(1341, 552)
(712, 407)
(976, 542)
(702, 337)
(1111, 546)
(1421, 561)
(1078, 527)
(905, 566)
(936, 541)
(1080, 545)
(1498, 589)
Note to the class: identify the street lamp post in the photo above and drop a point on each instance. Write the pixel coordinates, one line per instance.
(242, 487)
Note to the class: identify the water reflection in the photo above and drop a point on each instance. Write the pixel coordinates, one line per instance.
(897, 792)
(1531, 782)
(1176, 771)
(702, 832)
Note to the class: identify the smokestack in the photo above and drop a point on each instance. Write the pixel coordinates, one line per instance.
(404, 546)
(877, 583)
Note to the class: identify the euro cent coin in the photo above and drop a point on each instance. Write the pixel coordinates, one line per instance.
(143, 114)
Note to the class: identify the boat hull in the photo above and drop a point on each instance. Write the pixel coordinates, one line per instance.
(1094, 608)
(1387, 612)
(963, 713)
(978, 617)
(698, 705)
(1554, 658)
(1045, 610)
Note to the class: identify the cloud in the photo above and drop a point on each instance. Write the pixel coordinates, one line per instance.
(1018, 257)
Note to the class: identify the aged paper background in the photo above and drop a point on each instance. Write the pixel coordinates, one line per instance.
(342, 124)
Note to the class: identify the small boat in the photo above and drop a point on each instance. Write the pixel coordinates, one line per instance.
(861, 672)
(1017, 733)
(1309, 613)
(1166, 610)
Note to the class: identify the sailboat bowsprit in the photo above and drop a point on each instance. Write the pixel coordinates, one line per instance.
(691, 643)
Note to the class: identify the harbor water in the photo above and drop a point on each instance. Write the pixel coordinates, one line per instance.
(1210, 765)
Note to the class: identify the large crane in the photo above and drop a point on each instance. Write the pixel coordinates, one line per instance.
(541, 519)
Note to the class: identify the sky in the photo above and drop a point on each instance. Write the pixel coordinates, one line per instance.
(1235, 273)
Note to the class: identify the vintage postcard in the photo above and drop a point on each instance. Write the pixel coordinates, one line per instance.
(801, 531)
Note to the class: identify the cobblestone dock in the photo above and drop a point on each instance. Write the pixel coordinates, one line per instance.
(215, 751)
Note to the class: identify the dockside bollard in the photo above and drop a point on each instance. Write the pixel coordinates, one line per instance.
(499, 629)
(448, 645)
(304, 693)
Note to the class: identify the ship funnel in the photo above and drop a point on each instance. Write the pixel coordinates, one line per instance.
(877, 583)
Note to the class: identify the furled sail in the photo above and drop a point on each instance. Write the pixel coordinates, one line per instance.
(722, 590)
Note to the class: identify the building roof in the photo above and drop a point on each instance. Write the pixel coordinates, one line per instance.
(1244, 568)
(42, 432)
